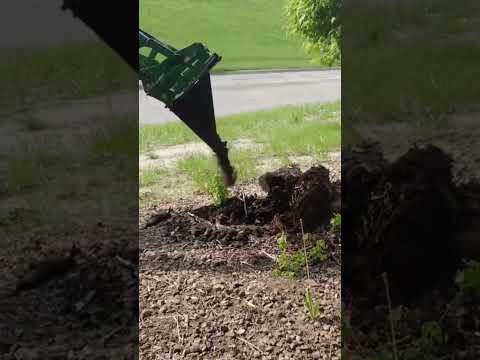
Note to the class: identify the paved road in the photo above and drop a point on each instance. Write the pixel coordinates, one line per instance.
(252, 91)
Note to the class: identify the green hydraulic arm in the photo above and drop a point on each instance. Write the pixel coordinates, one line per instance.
(181, 80)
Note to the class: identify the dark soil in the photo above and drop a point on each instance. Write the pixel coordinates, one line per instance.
(77, 305)
(291, 195)
(409, 221)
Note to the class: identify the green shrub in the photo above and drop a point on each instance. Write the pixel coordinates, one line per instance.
(317, 253)
(282, 242)
(290, 265)
(318, 23)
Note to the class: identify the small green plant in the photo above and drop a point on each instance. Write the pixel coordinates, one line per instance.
(282, 242)
(217, 189)
(432, 335)
(422, 348)
(336, 222)
(311, 305)
(317, 253)
(290, 265)
(469, 277)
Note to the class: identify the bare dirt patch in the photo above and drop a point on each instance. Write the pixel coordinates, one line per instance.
(56, 305)
(168, 156)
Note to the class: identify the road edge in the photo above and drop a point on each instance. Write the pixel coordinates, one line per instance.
(264, 71)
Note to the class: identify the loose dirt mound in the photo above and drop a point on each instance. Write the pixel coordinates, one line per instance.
(403, 219)
(410, 220)
(207, 287)
(291, 196)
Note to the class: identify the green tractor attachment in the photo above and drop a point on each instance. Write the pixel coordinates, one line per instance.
(182, 82)
(181, 79)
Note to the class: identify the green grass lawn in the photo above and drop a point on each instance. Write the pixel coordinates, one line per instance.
(284, 135)
(249, 34)
(283, 128)
(414, 61)
(69, 71)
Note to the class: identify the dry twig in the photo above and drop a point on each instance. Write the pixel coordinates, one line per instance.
(389, 303)
(250, 344)
(244, 205)
(273, 258)
(178, 330)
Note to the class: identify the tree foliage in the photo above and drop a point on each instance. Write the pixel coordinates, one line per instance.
(318, 23)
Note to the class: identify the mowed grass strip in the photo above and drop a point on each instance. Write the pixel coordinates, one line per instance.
(202, 167)
(415, 60)
(249, 34)
(69, 71)
(301, 130)
(278, 136)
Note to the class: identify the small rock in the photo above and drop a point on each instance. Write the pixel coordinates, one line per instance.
(194, 348)
(176, 301)
(219, 262)
(224, 328)
(316, 355)
(147, 313)
(218, 287)
(241, 331)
